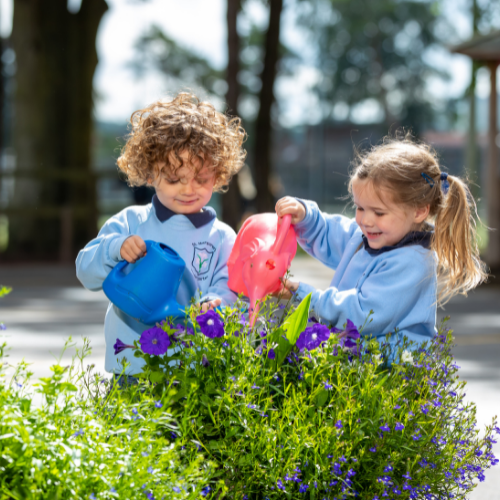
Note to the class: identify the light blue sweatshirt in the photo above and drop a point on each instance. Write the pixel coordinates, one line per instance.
(189, 235)
(398, 283)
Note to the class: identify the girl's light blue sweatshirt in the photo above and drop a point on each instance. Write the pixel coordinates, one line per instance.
(398, 283)
(191, 236)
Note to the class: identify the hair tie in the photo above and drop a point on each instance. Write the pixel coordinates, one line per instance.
(428, 179)
(445, 184)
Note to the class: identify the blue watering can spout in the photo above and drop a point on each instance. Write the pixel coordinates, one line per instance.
(147, 289)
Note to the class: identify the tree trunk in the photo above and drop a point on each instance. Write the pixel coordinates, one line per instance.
(231, 200)
(472, 154)
(263, 130)
(56, 59)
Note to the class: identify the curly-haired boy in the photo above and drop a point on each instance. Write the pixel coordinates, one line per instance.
(185, 149)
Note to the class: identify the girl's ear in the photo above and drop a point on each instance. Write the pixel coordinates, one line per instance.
(421, 213)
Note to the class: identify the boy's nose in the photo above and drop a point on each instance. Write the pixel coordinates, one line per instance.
(187, 186)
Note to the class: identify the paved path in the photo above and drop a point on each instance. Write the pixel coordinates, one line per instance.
(48, 305)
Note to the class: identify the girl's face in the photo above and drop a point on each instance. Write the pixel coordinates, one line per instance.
(383, 222)
(186, 192)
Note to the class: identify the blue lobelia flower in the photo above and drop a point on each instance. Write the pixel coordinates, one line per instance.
(271, 354)
(120, 346)
(176, 489)
(312, 337)
(158, 404)
(373, 449)
(338, 424)
(385, 428)
(211, 324)
(303, 488)
(205, 491)
(399, 426)
(327, 385)
(155, 341)
(204, 361)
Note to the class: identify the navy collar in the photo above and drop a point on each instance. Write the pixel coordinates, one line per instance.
(198, 219)
(422, 238)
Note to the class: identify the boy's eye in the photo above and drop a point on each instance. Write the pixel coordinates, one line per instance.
(359, 209)
(379, 214)
(203, 180)
(172, 181)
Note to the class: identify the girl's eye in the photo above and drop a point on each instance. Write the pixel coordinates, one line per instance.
(359, 209)
(379, 214)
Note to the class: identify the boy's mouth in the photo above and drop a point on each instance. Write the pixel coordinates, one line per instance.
(372, 235)
(187, 202)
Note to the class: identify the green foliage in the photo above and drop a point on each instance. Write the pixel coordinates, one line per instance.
(375, 50)
(74, 437)
(325, 423)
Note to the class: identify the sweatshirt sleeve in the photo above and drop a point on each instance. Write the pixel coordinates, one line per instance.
(398, 289)
(324, 236)
(101, 254)
(218, 287)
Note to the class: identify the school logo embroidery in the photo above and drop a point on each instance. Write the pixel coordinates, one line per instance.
(202, 259)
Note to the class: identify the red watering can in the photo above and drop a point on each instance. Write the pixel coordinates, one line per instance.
(262, 253)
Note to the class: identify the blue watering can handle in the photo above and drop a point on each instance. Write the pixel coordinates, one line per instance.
(121, 265)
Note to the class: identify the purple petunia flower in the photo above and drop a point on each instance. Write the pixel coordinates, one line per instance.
(120, 346)
(385, 428)
(204, 361)
(211, 324)
(154, 341)
(313, 336)
(271, 354)
(399, 426)
(181, 330)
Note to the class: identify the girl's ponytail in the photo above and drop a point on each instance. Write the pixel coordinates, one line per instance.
(460, 268)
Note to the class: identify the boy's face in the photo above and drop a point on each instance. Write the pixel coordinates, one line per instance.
(186, 192)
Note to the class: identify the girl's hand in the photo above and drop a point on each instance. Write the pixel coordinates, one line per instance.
(133, 249)
(289, 288)
(211, 304)
(289, 205)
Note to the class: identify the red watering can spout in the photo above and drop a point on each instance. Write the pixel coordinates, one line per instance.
(262, 253)
(283, 228)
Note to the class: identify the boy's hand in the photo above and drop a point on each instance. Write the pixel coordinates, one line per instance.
(289, 205)
(289, 288)
(133, 249)
(211, 304)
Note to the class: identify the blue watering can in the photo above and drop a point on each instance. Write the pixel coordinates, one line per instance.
(147, 289)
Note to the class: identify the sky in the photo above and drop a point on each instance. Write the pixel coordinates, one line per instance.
(200, 26)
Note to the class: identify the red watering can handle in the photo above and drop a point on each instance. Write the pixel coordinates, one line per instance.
(282, 232)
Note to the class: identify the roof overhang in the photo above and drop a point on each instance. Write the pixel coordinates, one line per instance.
(484, 48)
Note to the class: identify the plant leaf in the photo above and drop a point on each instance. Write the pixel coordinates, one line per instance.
(296, 323)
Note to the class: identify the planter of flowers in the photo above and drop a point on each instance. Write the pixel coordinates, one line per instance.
(294, 409)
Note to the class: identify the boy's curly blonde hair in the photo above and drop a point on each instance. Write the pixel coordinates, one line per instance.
(165, 129)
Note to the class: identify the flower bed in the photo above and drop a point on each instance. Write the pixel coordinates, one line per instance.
(83, 440)
(293, 409)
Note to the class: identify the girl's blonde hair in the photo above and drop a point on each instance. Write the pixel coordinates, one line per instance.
(410, 172)
(167, 128)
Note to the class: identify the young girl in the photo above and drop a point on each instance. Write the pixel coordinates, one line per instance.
(390, 259)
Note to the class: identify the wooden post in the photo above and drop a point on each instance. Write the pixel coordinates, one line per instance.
(493, 179)
(66, 237)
